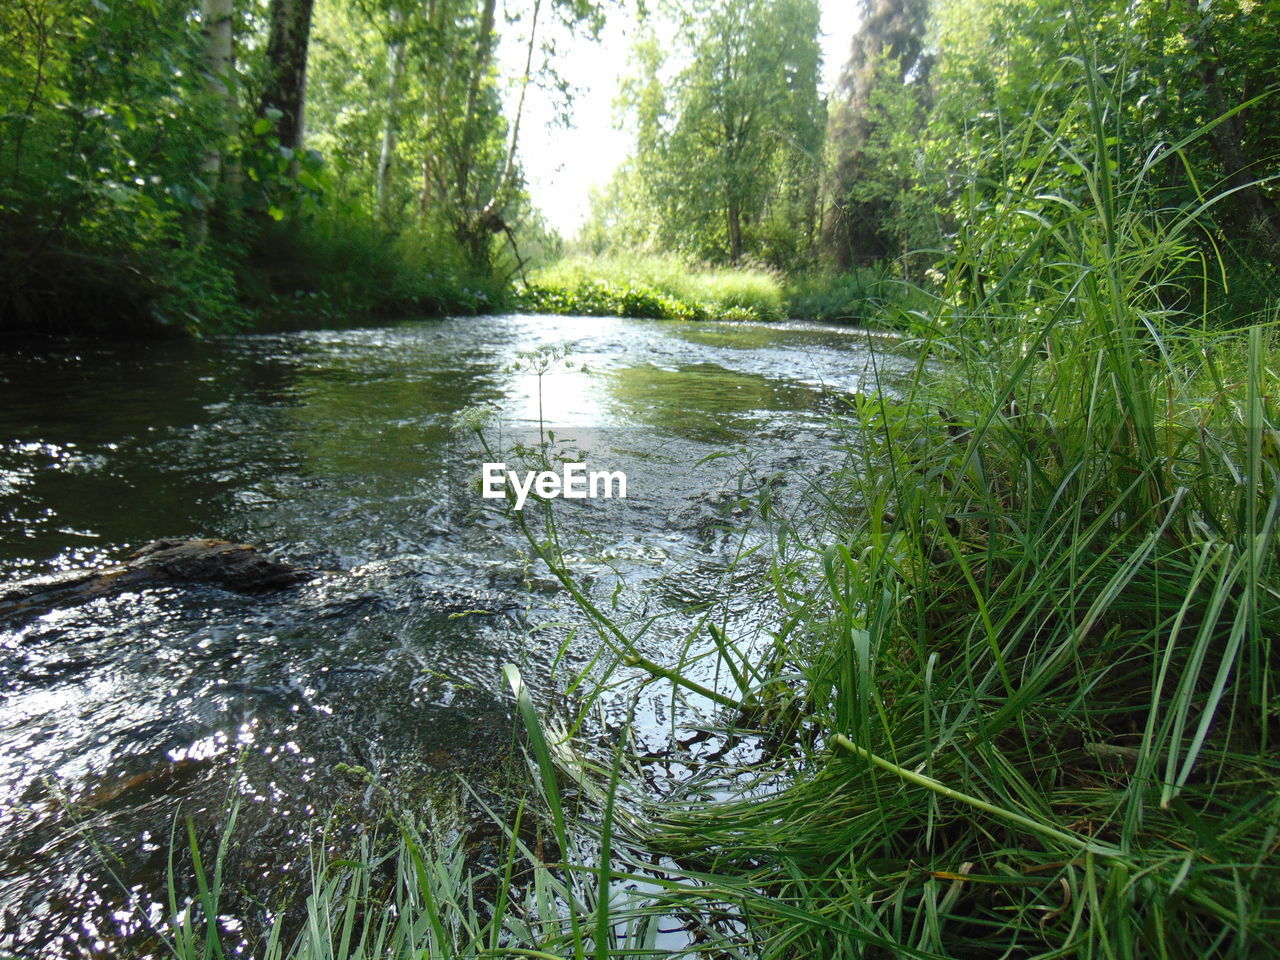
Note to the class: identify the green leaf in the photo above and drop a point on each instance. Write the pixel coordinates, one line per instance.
(276, 213)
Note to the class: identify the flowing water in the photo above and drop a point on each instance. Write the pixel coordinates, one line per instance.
(337, 450)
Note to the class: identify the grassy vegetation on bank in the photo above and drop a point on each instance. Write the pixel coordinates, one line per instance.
(321, 267)
(652, 286)
(665, 287)
(340, 268)
(859, 296)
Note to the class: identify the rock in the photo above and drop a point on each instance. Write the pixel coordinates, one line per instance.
(232, 566)
(164, 778)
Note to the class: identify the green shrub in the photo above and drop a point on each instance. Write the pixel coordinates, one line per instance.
(330, 264)
(659, 287)
(859, 296)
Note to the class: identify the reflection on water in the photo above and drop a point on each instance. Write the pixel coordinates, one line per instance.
(703, 401)
(334, 448)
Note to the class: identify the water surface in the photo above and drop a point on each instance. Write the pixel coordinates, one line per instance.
(337, 450)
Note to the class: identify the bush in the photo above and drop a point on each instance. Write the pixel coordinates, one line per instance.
(124, 274)
(858, 296)
(659, 287)
(333, 264)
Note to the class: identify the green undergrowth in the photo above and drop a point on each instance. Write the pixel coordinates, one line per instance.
(328, 267)
(859, 296)
(666, 288)
(127, 274)
(143, 277)
(657, 287)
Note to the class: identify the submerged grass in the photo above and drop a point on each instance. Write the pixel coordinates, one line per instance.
(1020, 698)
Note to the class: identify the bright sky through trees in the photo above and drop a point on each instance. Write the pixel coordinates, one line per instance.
(562, 165)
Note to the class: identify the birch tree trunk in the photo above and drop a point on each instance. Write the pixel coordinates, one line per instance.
(391, 125)
(215, 29)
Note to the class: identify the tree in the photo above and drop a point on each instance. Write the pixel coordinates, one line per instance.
(879, 112)
(470, 173)
(112, 119)
(216, 29)
(391, 122)
(716, 143)
(1237, 50)
(284, 92)
(1202, 76)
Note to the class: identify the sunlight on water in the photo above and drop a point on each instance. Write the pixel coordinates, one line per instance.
(336, 448)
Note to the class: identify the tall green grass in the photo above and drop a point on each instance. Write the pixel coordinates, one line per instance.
(860, 296)
(652, 286)
(1022, 698)
(331, 264)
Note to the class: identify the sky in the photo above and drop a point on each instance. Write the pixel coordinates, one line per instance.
(561, 165)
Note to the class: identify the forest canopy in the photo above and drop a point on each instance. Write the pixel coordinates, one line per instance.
(202, 164)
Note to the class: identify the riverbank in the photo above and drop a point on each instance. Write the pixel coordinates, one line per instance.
(668, 288)
(318, 269)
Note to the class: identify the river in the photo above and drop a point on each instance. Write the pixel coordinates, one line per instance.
(337, 450)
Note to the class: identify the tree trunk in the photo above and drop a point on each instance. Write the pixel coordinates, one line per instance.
(811, 214)
(491, 213)
(1254, 208)
(479, 70)
(734, 216)
(391, 125)
(287, 68)
(215, 19)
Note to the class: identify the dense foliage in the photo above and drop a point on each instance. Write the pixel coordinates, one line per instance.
(195, 163)
(662, 287)
(102, 135)
(915, 167)
(727, 147)
(188, 163)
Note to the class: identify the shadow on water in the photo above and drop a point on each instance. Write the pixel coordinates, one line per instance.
(335, 448)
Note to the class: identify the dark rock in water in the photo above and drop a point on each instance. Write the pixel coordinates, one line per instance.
(232, 566)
